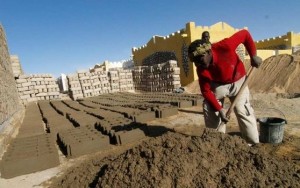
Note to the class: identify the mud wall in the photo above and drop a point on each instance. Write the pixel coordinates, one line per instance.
(11, 109)
(9, 98)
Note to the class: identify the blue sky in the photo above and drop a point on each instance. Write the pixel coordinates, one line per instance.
(62, 36)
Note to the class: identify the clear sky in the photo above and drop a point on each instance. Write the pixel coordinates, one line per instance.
(62, 36)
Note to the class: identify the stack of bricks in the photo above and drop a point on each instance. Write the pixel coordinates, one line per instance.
(164, 77)
(37, 87)
(96, 84)
(75, 90)
(126, 82)
(16, 66)
(104, 83)
(86, 83)
(173, 75)
(137, 77)
(114, 79)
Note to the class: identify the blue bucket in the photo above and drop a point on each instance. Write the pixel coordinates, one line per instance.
(271, 129)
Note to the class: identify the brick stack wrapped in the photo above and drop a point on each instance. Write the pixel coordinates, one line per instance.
(164, 77)
(37, 87)
(75, 90)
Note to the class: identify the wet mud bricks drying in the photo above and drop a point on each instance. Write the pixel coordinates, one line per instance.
(71, 129)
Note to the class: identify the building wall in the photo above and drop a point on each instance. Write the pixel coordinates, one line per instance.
(178, 42)
(283, 42)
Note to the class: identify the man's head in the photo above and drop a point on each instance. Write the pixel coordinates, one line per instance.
(200, 53)
(205, 36)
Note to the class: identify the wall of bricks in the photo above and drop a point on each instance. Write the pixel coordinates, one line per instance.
(11, 109)
(164, 77)
(87, 84)
(9, 99)
(36, 87)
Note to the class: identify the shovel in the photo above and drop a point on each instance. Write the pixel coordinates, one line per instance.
(221, 126)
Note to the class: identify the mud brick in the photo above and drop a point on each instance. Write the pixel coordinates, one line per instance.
(81, 141)
(88, 146)
(28, 155)
(124, 137)
(183, 104)
(19, 166)
(143, 117)
(166, 112)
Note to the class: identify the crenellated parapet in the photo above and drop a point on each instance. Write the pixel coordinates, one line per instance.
(282, 42)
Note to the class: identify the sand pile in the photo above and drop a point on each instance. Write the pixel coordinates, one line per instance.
(277, 74)
(177, 160)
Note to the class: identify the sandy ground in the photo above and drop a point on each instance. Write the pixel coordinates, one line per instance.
(189, 121)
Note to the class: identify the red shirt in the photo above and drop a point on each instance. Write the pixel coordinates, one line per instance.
(226, 66)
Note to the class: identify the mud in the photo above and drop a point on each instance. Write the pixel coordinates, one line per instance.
(177, 160)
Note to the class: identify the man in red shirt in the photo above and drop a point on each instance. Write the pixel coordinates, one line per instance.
(221, 74)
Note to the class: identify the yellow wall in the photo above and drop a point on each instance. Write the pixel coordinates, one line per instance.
(282, 42)
(264, 54)
(175, 41)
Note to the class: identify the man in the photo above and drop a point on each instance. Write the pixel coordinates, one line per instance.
(205, 36)
(221, 74)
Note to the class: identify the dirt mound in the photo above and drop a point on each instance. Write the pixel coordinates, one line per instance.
(279, 74)
(176, 160)
(193, 87)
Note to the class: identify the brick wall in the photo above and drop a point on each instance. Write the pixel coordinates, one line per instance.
(9, 98)
(11, 109)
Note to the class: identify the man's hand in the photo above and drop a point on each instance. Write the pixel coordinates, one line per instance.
(222, 115)
(256, 61)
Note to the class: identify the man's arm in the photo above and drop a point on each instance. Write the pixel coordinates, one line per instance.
(208, 95)
(243, 37)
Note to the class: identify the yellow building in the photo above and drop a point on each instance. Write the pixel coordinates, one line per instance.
(178, 42)
(285, 44)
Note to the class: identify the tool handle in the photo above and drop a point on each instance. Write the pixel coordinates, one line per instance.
(245, 83)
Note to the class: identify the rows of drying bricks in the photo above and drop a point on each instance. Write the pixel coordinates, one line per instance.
(85, 126)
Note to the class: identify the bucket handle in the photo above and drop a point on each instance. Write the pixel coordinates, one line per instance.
(280, 113)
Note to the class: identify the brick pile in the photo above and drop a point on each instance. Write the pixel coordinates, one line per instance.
(164, 77)
(104, 82)
(126, 81)
(75, 90)
(87, 84)
(114, 80)
(36, 87)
